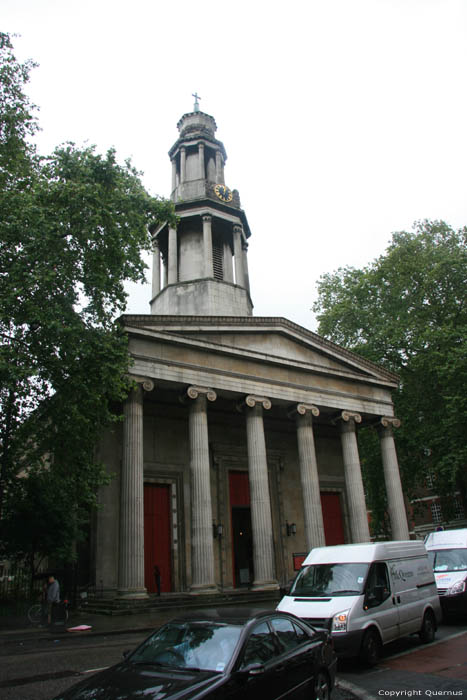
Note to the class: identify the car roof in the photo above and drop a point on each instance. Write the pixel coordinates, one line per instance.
(229, 615)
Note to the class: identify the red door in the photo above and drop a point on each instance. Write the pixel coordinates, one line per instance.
(332, 516)
(240, 527)
(157, 539)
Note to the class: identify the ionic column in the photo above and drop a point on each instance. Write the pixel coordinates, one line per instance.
(238, 253)
(260, 502)
(353, 477)
(219, 168)
(182, 164)
(174, 174)
(173, 257)
(392, 478)
(314, 525)
(131, 550)
(202, 173)
(207, 243)
(202, 552)
(156, 268)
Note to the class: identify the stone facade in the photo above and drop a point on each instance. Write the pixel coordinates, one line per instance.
(238, 451)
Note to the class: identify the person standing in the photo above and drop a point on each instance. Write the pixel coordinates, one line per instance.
(157, 579)
(53, 597)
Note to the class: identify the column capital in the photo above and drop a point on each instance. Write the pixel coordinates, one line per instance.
(348, 417)
(237, 228)
(302, 409)
(146, 383)
(251, 401)
(207, 217)
(389, 422)
(193, 392)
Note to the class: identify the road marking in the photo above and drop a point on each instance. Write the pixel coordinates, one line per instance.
(95, 670)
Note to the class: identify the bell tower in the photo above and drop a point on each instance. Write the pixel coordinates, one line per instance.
(200, 268)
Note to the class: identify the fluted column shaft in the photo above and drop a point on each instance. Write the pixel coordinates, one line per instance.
(314, 525)
(207, 244)
(156, 269)
(260, 502)
(174, 174)
(396, 505)
(353, 478)
(131, 552)
(238, 253)
(173, 257)
(202, 552)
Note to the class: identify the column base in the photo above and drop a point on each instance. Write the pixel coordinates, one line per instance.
(203, 589)
(265, 586)
(132, 593)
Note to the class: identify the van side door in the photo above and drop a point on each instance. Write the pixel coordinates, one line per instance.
(378, 604)
(409, 596)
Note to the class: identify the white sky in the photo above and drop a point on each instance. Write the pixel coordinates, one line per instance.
(343, 120)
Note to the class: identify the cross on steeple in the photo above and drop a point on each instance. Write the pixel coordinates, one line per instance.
(196, 105)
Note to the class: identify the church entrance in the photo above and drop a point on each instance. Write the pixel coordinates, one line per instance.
(157, 537)
(332, 517)
(242, 541)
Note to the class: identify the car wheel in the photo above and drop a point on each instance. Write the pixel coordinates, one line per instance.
(428, 628)
(322, 686)
(370, 651)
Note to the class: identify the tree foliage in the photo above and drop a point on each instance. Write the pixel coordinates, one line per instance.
(407, 311)
(73, 226)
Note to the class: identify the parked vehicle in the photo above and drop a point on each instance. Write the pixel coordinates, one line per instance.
(366, 595)
(447, 551)
(231, 654)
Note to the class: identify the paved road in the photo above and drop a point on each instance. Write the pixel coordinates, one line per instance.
(37, 665)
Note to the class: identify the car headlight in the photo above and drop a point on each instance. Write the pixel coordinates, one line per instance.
(339, 621)
(458, 587)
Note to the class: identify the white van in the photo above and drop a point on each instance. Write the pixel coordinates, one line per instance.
(367, 595)
(447, 551)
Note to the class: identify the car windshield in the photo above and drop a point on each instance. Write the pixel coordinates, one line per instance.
(204, 646)
(448, 559)
(321, 580)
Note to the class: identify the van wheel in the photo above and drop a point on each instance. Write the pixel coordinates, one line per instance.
(428, 628)
(322, 686)
(370, 651)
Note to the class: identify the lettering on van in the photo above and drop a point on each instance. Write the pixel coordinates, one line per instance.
(399, 574)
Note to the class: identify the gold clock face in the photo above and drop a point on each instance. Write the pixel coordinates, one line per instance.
(223, 193)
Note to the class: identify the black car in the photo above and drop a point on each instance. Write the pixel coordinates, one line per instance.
(221, 654)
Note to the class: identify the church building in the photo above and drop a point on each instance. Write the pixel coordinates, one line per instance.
(238, 448)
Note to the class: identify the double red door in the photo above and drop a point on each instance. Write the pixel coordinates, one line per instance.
(157, 536)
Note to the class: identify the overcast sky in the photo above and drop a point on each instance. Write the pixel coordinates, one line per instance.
(343, 120)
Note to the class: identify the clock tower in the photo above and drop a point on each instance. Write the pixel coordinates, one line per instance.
(200, 268)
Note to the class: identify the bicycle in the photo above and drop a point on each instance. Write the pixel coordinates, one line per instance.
(37, 613)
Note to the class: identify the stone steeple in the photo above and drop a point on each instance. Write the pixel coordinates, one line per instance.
(200, 268)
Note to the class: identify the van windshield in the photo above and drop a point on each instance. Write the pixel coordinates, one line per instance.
(448, 559)
(322, 580)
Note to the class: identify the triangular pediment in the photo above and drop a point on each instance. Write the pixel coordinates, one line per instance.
(270, 340)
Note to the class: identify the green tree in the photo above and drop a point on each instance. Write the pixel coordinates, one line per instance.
(407, 311)
(73, 226)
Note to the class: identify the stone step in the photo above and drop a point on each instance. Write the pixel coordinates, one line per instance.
(118, 606)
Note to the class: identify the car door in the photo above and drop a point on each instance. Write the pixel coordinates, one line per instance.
(267, 675)
(299, 658)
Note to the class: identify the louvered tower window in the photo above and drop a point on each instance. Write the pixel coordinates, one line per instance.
(218, 260)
